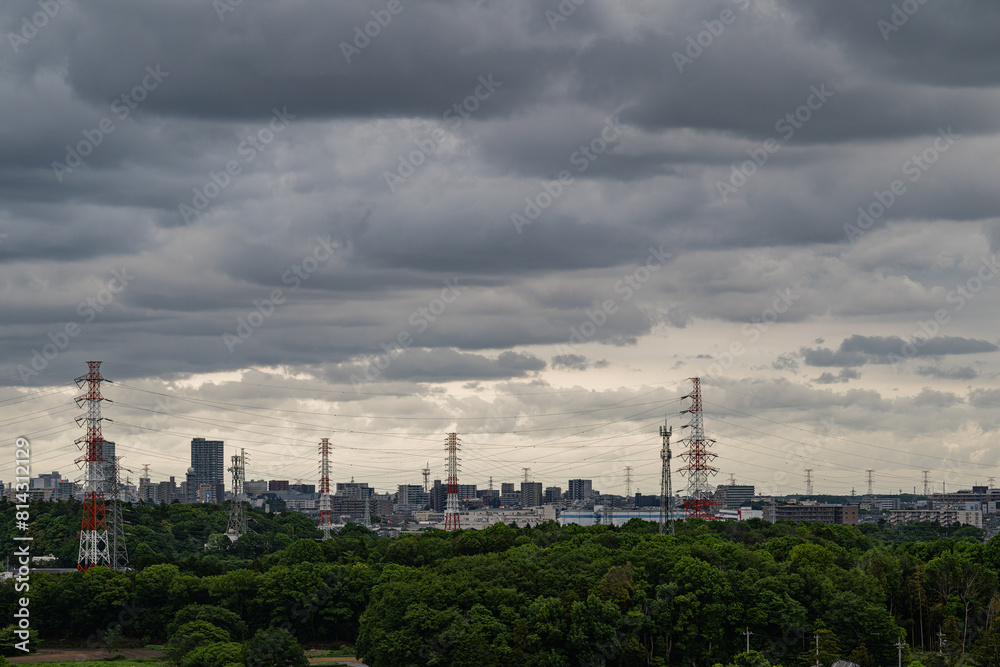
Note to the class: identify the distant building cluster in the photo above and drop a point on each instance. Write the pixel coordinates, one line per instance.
(413, 506)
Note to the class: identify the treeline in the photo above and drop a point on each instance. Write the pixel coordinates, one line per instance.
(549, 595)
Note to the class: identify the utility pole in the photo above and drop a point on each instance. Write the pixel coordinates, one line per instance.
(900, 646)
(732, 479)
(628, 482)
(927, 482)
(427, 477)
(666, 493)
(748, 633)
(990, 480)
(526, 471)
(941, 641)
(871, 482)
(809, 481)
(817, 651)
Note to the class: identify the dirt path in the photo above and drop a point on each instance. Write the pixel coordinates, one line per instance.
(74, 654)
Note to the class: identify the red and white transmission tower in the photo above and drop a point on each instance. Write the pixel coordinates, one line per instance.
(699, 461)
(94, 526)
(324, 487)
(451, 521)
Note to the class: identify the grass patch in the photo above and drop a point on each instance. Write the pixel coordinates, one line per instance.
(340, 652)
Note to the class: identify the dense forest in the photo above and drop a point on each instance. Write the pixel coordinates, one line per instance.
(549, 595)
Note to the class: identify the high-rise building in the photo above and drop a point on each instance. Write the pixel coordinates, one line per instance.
(531, 494)
(254, 487)
(553, 494)
(581, 489)
(209, 468)
(439, 496)
(108, 452)
(733, 496)
(277, 485)
(506, 488)
(411, 498)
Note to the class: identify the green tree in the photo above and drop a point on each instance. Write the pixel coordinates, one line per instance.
(192, 635)
(218, 654)
(276, 646)
(217, 616)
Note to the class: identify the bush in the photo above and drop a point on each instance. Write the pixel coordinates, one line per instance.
(219, 654)
(193, 635)
(276, 646)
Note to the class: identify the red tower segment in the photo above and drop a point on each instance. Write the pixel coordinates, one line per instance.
(451, 520)
(94, 525)
(699, 458)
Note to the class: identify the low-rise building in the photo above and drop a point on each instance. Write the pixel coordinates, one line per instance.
(822, 513)
(944, 517)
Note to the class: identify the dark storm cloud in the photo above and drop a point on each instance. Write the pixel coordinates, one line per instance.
(576, 362)
(909, 43)
(860, 350)
(845, 375)
(448, 365)
(956, 373)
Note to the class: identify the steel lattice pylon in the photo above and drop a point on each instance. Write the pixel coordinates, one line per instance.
(116, 526)
(324, 488)
(94, 525)
(451, 520)
(699, 458)
(666, 497)
(238, 513)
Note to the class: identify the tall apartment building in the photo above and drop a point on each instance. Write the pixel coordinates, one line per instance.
(209, 465)
(411, 498)
(581, 489)
(531, 494)
(553, 494)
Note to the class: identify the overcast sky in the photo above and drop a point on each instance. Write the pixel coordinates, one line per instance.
(523, 220)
